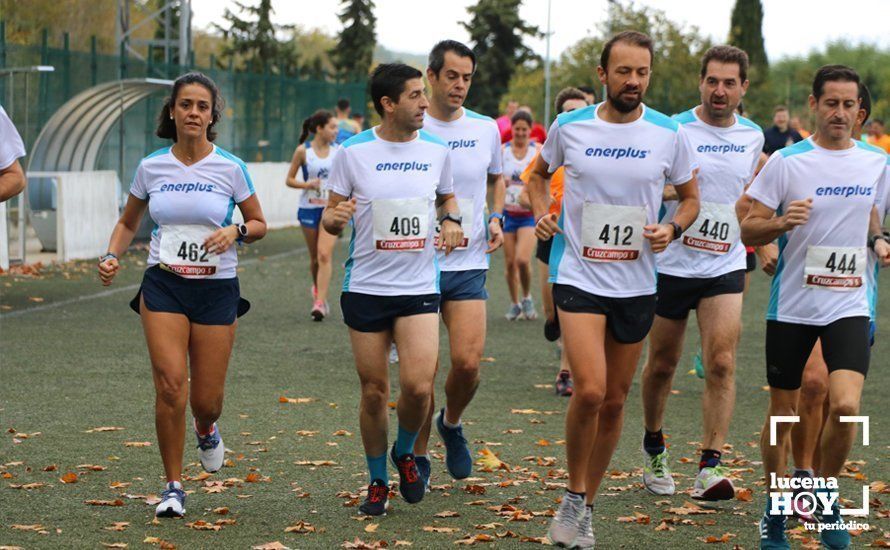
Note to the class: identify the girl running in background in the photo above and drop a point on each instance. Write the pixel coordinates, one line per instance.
(315, 160)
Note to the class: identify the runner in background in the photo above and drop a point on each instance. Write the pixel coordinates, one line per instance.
(12, 178)
(519, 222)
(504, 121)
(315, 161)
(347, 126)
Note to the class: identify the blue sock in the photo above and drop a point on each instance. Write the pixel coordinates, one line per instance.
(377, 467)
(405, 442)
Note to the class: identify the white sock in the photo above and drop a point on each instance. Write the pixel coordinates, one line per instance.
(449, 424)
(175, 484)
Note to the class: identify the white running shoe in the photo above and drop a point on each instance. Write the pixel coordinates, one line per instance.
(528, 309)
(566, 523)
(514, 313)
(586, 539)
(393, 354)
(656, 474)
(713, 484)
(172, 501)
(211, 450)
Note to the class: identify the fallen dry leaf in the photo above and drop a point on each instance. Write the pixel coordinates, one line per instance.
(307, 433)
(371, 527)
(447, 514)
(270, 546)
(315, 463)
(711, 539)
(359, 544)
(69, 477)
(343, 433)
(744, 494)
(301, 527)
(114, 544)
(117, 526)
(137, 443)
(284, 399)
(201, 525)
(115, 502)
(27, 486)
(222, 510)
(50, 468)
(32, 527)
(437, 529)
(104, 429)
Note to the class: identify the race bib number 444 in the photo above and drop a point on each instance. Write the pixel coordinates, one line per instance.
(611, 233)
(182, 250)
(715, 230)
(834, 268)
(401, 224)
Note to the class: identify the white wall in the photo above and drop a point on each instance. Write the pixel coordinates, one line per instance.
(86, 212)
(279, 201)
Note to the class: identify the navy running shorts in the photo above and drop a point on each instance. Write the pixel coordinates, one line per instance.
(202, 301)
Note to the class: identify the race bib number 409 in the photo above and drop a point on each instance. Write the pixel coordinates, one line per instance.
(182, 250)
(834, 268)
(401, 224)
(611, 233)
(715, 230)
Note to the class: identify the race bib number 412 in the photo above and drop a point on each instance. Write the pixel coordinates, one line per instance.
(401, 224)
(182, 250)
(611, 233)
(834, 268)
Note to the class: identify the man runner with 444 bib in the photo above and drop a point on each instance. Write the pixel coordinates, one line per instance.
(617, 157)
(474, 142)
(704, 270)
(391, 178)
(818, 197)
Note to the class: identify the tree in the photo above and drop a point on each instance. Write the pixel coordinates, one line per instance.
(496, 33)
(746, 31)
(253, 45)
(355, 44)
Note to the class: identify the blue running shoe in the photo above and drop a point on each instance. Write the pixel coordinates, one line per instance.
(457, 455)
(172, 501)
(772, 533)
(834, 535)
(411, 486)
(698, 365)
(424, 468)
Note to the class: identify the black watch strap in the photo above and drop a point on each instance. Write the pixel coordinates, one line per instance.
(873, 240)
(677, 230)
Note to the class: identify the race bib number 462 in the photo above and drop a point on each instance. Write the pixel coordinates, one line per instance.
(611, 233)
(834, 268)
(182, 250)
(401, 224)
(715, 230)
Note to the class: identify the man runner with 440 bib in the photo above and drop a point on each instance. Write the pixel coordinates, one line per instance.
(474, 142)
(391, 178)
(704, 270)
(818, 197)
(617, 156)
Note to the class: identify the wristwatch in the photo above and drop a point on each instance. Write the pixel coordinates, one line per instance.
(242, 232)
(449, 216)
(677, 230)
(106, 257)
(875, 238)
(498, 216)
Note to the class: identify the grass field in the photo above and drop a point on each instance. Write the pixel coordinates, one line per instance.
(71, 368)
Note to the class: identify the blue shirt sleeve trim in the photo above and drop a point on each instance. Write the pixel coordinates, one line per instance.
(364, 137)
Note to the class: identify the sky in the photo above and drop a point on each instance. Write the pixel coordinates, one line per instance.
(790, 27)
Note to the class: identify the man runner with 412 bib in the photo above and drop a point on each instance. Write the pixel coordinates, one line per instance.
(617, 156)
(391, 178)
(704, 270)
(474, 142)
(818, 197)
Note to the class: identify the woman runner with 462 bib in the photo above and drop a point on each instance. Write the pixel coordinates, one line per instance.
(189, 299)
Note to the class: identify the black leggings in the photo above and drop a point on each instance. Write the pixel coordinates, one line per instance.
(845, 346)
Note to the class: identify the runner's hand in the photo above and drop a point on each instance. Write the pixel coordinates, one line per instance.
(220, 240)
(768, 255)
(882, 250)
(798, 213)
(450, 235)
(660, 235)
(107, 270)
(314, 183)
(343, 212)
(495, 236)
(547, 227)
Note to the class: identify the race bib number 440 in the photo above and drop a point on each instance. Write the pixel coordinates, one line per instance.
(611, 233)
(834, 268)
(182, 250)
(401, 224)
(715, 230)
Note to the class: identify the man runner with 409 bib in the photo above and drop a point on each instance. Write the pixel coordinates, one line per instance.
(704, 270)
(818, 197)
(474, 142)
(391, 178)
(617, 157)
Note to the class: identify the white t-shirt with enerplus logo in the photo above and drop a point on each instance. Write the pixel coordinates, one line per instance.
(475, 145)
(614, 180)
(820, 275)
(395, 185)
(727, 158)
(513, 168)
(317, 167)
(11, 146)
(203, 194)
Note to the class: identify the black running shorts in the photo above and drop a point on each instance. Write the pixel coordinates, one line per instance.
(628, 319)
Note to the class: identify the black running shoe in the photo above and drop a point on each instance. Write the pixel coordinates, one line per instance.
(411, 485)
(552, 331)
(377, 501)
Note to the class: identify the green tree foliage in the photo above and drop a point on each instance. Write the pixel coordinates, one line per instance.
(354, 52)
(253, 44)
(675, 67)
(746, 31)
(496, 34)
